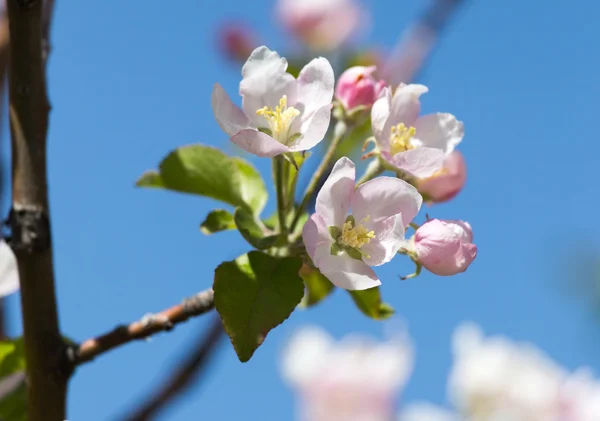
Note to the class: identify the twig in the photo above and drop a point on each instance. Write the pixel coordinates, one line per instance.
(417, 43)
(29, 218)
(184, 375)
(147, 326)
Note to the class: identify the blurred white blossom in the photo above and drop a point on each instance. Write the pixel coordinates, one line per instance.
(9, 274)
(355, 379)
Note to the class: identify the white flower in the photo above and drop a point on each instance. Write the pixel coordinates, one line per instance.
(427, 412)
(355, 379)
(279, 113)
(415, 145)
(344, 245)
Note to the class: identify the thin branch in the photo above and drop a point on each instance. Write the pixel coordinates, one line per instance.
(184, 375)
(417, 43)
(29, 218)
(196, 305)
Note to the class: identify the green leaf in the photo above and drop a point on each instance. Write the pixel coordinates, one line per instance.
(369, 302)
(206, 171)
(253, 294)
(317, 286)
(216, 221)
(253, 231)
(151, 179)
(13, 392)
(252, 186)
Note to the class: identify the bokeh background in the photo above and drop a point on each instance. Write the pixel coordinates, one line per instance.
(129, 81)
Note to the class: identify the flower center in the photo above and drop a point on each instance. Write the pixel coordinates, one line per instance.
(280, 119)
(356, 236)
(400, 138)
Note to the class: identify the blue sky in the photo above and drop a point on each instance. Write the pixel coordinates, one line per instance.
(131, 80)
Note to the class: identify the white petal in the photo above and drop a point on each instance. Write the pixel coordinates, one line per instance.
(406, 105)
(229, 116)
(315, 86)
(313, 130)
(317, 238)
(389, 237)
(333, 201)
(264, 84)
(345, 272)
(442, 131)
(419, 162)
(380, 113)
(305, 354)
(9, 272)
(427, 412)
(258, 143)
(382, 197)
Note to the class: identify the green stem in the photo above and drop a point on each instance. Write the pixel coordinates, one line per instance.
(278, 168)
(340, 131)
(373, 170)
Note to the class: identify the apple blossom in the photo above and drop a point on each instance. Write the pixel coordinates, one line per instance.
(322, 24)
(344, 246)
(423, 411)
(446, 183)
(409, 143)
(279, 113)
(443, 247)
(9, 274)
(355, 379)
(580, 397)
(357, 86)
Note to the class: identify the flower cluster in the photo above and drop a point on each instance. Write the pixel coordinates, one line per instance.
(492, 379)
(356, 226)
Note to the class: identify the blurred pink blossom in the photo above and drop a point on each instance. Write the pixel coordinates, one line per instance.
(236, 40)
(322, 25)
(355, 379)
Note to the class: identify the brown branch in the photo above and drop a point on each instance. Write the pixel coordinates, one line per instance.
(417, 43)
(183, 376)
(29, 218)
(147, 326)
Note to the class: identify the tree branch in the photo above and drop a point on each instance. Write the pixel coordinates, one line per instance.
(29, 218)
(147, 326)
(183, 377)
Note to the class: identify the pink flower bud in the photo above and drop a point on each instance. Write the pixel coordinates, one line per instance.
(236, 41)
(445, 247)
(357, 86)
(446, 183)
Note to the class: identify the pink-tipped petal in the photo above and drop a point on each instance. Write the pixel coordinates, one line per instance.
(258, 143)
(378, 199)
(345, 272)
(357, 86)
(442, 131)
(446, 185)
(333, 201)
(317, 239)
(229, 116)
(419, 162)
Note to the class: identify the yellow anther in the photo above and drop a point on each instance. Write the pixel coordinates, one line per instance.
(400, 138)
(280, 119)
(356, 236)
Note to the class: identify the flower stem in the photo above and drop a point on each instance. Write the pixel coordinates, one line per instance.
(373, 170)
(339, 132)
(278, 168)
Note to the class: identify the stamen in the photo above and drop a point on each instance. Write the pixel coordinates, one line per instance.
(356, 236)
(280, 119)
(400, 138)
